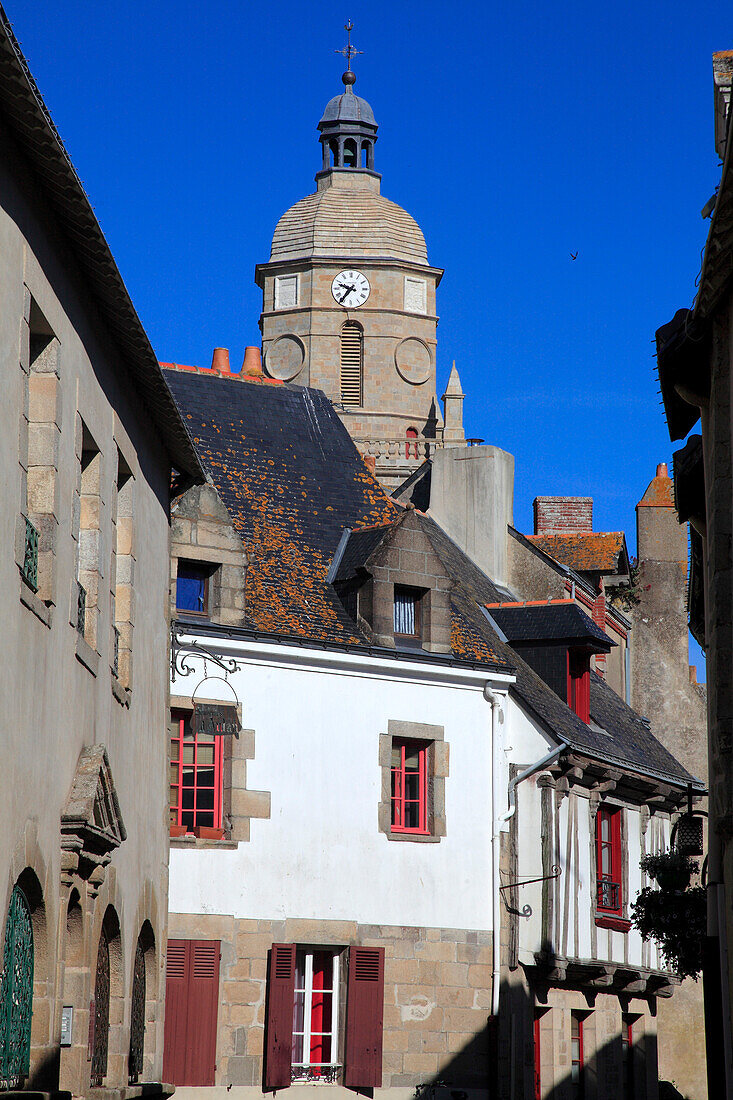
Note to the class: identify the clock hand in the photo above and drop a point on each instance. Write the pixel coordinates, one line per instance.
(347, 292)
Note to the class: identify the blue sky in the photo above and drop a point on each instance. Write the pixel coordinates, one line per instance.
(515, 135)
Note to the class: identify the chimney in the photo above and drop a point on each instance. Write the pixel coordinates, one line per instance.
(722, 76)
(471, 497)
(220, 361)
(563, 515)
(252, 363)
(659, 534)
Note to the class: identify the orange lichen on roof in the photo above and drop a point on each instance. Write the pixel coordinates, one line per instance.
(585, 552)
(467, 644)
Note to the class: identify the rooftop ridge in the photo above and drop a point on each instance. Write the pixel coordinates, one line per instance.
(531, 603)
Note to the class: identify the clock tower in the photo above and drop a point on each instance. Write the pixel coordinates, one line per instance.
(349, 299)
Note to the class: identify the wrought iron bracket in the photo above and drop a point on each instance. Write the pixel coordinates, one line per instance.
(526, 910)
(181, 651)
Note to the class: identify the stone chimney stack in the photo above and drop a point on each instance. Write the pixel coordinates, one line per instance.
(472, 498)
(563, 515)
(660, 666)
(722, 77)
(453, 433)
(660, 536)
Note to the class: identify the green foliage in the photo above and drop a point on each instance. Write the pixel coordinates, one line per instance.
(625, 596)
(672, 862)
(676, 920)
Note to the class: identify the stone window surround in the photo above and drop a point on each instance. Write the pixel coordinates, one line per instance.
(240, 805)
(276, 291)
(86, 530)
(438, 758)
(38, 454)
(122, 575)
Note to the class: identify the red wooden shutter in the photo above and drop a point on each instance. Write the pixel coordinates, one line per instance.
(280, 998)
(364, 1016)
(192, 1001)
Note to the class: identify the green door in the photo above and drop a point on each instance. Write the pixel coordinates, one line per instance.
(16, 993)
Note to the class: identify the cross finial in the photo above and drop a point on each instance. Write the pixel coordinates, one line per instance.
(348, 51)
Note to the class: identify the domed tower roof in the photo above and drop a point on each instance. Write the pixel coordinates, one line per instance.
(348, 107)
(340, 220)
(347, 216)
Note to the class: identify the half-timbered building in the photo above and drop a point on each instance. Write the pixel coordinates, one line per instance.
(414, 866)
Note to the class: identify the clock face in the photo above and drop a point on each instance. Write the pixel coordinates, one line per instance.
(350, 288)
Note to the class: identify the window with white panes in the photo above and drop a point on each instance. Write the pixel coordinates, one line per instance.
(315, 1015)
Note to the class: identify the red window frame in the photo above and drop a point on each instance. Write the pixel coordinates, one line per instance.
(411, 443)
(537, 1058)
(579, 683)
(184, 766)
(404, 782)
(577, 1058)
(609, 862)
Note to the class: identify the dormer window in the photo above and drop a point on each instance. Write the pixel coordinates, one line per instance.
(192, 588)
(579, 683)
(407, 616)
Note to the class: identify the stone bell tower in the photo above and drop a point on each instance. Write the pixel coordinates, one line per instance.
(348, 298)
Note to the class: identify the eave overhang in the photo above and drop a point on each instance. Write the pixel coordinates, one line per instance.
(26, 115)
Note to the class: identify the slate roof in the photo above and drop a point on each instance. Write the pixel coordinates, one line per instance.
(30, 123)
(356, 551)
(589, 552)
(557, 621)
(293, 482)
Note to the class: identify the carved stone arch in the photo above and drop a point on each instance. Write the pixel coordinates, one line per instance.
(29, 872)
(28, 937)
(143, 1007)
(108, 986)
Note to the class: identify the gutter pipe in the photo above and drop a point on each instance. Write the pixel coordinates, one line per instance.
(495, 702)
(537, 766)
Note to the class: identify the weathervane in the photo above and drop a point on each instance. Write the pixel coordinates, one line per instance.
(348, 51)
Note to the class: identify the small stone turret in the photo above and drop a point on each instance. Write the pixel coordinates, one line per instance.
(453, 433)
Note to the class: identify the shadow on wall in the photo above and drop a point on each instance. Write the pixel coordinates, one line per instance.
(500, 1062)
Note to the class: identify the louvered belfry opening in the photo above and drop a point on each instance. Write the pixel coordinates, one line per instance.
(352, 363)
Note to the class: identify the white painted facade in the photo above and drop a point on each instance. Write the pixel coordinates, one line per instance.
(317, 717)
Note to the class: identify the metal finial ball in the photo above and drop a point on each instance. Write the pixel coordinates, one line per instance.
(349, 78)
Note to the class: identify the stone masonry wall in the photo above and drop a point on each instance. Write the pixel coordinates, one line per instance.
(436, 996)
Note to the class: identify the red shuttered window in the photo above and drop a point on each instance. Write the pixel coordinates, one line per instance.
(579, 683)
(315, 1016)
(303, 1025)
(279, 1036)
(192, 1000)
(195, 775)
(364, 1018)
(411, 443)
(409, 787)
(609, 865)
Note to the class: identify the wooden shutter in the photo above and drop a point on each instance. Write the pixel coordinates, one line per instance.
(352, 359)
(192, 1001)
(364, 1016)
(280, 998)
